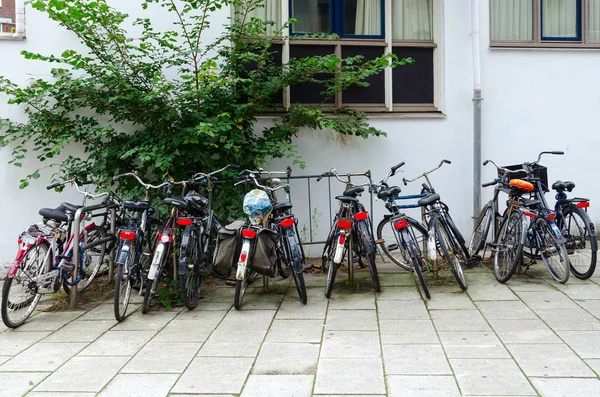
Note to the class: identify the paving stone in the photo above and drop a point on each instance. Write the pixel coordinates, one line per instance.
(472, 345)
(278, 386)
(506, 310)
(315, 309)
(200, 376)
(80, 331)
(396, 278)
(529, 285)
(151, 321)
(490, 292)
(50, 321)
(351, 344)
(592, 306)
(399, 293)
(183, 331)
(233, 343)
(204, 319)
(160, 357)
(42, 357)
(562, 387)
(403, 310)
(78, 368)
(219, 294)
(445, 301)
(524, 331)
(594, 364)
(118, 343)
(139, 385)
(585, 290)
(18, 383)
(569, 320)
(549, 360)
(287, 359)
(585, 343)
(459, 320)
(551, 300)
(490, 377)
(4, 359)
(262, 302)
(61, 394)
(483, 277)
(341, 376)
(106, 311)
(408, 331)
(309, 331)
(250, 319)
(421, 386)
(208, 305)
(351, 320)
(12, 343)
(415, 360)
(352, 302)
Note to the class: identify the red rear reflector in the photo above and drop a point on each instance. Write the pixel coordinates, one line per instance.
(247, 233)
(126, 235)
(342, 239)
(184, 221)
(361, 216)
(19, 241)
(287, 222)
(583, 204)
(400, 224)
(551, 217)
(243, 257)
(529, 214)
(165, 238)
(344, 224)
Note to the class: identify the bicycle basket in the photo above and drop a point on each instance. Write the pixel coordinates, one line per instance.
(228, 248)
(197, 203)
(265, 253)
(539, 171)
(257, 205)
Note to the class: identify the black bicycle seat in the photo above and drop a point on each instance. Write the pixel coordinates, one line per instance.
(177, 202)
(389, 192)
(353, 191)
(531, 203)
(282, 206)
(68, 207)
(54, 213)
(347, 198)
(136, 205)
(432, 198)
(561, 186)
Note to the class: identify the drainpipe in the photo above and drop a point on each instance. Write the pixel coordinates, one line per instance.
(476, 110)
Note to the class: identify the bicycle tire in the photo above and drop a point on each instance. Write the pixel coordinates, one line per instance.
(331, 272)
(583, 260)
(30, 302)
(367, 248)
(481, 230)
(150, 285)
(240, 291)
(190, 283)
(93, 234)
(557, 265)
(395, 251)
(505, 266)
(458, 237)
(122, 290)
(451, 252)
(284, 264)
(297, 260)
(417, 268)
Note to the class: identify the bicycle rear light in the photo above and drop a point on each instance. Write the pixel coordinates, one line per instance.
(243, 257)
(342, 239)
(287, 222)
(551, 217)
(583, 204)
(529, 214)
(343, 224)
(247, 233)
(361, 216)
(126, 235)
(400, 224)
(165, 238)
(184, 221)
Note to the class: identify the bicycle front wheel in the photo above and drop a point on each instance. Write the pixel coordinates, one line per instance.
(452, 253)
(417, 266)
(508, 247)
(190, 255)
(554, 254)
(581, 244)
(122, 289)
(332, 268)
(392, 248)
(482, 227)
(366, 247)
(94, 256)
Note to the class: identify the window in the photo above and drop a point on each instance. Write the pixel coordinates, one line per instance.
(11, 19)
(545, 23)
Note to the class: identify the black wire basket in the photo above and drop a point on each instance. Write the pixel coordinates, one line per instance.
(539, 171)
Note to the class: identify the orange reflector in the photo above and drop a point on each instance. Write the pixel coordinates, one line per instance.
(287, 222)
(529, 214)
(400, 224)
(361, 216)
(247, 233)
(551, 217)
(342, 239)
(583, 204)
(126, 235)
(184, 221)
(343, 224)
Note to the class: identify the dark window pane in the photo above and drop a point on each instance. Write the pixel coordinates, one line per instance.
(309, 92)
(275, 59)
(362, 17)
(413, 83)
(375, 93)
(313, 16)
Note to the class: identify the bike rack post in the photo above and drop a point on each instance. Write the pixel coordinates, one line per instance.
(266, 283)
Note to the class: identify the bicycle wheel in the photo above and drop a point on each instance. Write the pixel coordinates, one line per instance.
(162, 255)
(458, 238)
(386, 236)
(508, 250)
(331, 272)
(19, 293)
(451, 252)
(240, 291)
(554, 254)
(190, 255)
(367, 249)
(93, 259)
(297, 260)
(122, 288)
(482, 228)
(284, 263)
(417, 266)
(581, 244)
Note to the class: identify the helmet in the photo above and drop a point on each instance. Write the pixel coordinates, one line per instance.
(197, 203)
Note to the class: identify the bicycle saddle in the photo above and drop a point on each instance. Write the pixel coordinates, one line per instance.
(68, 207)
(176, 202)
(531, 203)
(521, 184)
(432, 198)
(55, 214)
(561, 186)
(389, 192)
(136, 205)
(353, 191)
(347, 198)
(282, 206)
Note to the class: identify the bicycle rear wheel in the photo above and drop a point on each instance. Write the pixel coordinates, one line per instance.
(392, 248)
(458, 238)
(367, 248)
(508, 247)
(452, 253)
(581, 244)
(122, 289)
(482, 227)
(331, 271)
(190, 254)
(553, 254)
(240, 291)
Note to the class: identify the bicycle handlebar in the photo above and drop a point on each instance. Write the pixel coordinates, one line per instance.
(444, 161)
(147, 186)
(333, 172)
(490, 183)
(77, 185)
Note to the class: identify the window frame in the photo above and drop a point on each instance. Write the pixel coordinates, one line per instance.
(539, 41)
(19, 23)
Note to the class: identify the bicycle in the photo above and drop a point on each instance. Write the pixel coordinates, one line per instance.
(45, 260)
(277, 221)
(351, 223)
(135, 246)
(442, 233)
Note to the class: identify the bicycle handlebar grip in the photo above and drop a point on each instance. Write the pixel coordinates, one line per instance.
(322, 175)
(559, 152)
(288, 169)
(394, 168)
(117, 177)
(446, 161)
(368, 173)
(234, 166)
(56, 184)
(486, 162)
(489, 184)
(404, 181)
(85, 183)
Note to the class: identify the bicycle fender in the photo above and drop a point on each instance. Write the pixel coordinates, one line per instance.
(185, 239)
(243, 260)
(123, 253)
(294, 251)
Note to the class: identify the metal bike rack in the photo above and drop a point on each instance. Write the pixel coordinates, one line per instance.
(76, 232)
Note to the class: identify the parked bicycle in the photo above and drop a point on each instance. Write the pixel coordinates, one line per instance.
(45, 260)
(351, 231)
(270, 241)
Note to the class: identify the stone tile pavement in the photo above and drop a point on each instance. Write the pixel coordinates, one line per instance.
(528, 337)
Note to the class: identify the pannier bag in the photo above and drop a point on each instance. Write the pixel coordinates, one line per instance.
(228, 248)
(265, 252)
(257, 206)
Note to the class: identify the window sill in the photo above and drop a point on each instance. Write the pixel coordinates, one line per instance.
(12, 36)
(274, 117)
(546, 47)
